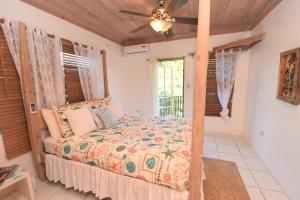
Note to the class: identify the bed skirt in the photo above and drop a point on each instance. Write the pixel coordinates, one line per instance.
(104, 183)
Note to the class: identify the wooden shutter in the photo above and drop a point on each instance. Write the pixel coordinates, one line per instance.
(73, 87)
(213, 106)
(12, 115)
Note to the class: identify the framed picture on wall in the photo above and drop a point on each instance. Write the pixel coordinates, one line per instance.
(289, 79)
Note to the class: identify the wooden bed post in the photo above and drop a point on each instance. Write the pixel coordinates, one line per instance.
(106, 92)
(28, 99)
(199, 99)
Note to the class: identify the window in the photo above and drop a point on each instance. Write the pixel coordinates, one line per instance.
(13, 123)
(73, 87)
(213, 106)
(170, 87)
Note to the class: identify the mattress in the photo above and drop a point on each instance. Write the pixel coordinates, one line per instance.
(151, 149)
(49, 144)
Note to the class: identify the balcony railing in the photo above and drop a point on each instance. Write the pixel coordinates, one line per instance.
(171, 106)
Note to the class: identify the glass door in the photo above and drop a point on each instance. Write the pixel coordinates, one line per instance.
(170, 87)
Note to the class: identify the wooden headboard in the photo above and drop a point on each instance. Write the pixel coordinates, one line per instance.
(35, 121)
(39, 152)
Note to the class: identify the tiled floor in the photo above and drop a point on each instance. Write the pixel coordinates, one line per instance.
(259, 182)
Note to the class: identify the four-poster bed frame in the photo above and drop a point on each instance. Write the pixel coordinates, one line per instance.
(36, 123)
(34, 118)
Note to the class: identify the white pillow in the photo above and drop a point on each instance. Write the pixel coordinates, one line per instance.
(81, 121)
(96, 119)
(116, 112)
(50, 119)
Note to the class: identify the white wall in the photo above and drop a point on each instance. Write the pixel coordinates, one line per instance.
(20, 11)
(279, 122)
(136, 93)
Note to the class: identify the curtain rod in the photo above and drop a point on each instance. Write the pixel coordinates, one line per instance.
(2, 20)
(235, 49)
(171, 58)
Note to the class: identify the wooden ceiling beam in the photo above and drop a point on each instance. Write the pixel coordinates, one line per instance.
(245, 43)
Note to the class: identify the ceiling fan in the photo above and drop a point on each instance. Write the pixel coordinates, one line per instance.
(161, 18)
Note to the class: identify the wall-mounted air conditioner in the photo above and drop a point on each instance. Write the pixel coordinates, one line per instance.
(136, 49)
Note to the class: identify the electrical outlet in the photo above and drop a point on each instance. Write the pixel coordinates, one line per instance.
(262, 133)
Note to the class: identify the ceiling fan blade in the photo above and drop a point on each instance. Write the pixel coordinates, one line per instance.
(140, 28)
(174, 5)
(169, 33)
(186, 20)
(134, 13)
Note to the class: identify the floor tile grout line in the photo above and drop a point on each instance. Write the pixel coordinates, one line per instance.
(215, 142)
(234, 161)
(282, 190)
(267, 172)
(248, 168)
(57, 192)
(217, 148)
(260, 191)
(252, 176)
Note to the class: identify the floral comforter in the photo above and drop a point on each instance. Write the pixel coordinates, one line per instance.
(152, 149)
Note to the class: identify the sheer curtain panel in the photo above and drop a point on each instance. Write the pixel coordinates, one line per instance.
(90, 70)
(225, 73)
(155, 107)
(47, 72)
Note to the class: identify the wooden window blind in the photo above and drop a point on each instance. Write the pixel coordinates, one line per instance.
(213, 106)
(73, 87)
(12, 114)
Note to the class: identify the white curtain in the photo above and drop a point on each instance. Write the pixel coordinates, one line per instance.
(225, 72)
(47, 72)
(11, 32)
(155, 107)
(90, 67)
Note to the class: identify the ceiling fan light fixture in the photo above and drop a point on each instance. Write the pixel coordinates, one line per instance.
(160, 25)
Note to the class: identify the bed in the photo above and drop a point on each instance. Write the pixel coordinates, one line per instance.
(140, 158)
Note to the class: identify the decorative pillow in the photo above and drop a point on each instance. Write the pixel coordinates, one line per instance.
(96, 119)
(93, 105)
(106, 117)
(81, 121)
(50, 119)
(61, 117)
(60, 113)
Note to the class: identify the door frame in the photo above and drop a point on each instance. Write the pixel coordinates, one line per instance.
(183, 78)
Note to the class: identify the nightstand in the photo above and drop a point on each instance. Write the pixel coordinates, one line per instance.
(20, 180)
